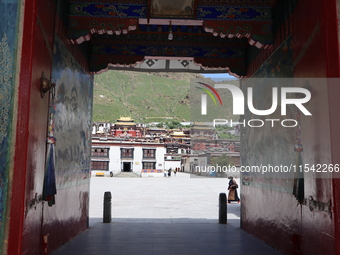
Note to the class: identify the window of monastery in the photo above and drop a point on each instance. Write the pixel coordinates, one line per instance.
(100, 165)
(100, 152)
(126, 153)
(149, 153)
(149, 165)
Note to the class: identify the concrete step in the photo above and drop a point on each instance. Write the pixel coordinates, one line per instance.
(127, 175)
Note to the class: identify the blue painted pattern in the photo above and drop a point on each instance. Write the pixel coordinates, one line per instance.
(8, 48)
(109, 10)
(234, 13)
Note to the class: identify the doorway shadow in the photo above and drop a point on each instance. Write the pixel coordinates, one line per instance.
(164, 236)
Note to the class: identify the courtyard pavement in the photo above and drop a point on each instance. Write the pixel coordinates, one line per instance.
(168, 215)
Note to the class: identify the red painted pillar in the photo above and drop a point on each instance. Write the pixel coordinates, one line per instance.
(31, 125)
(17, 203)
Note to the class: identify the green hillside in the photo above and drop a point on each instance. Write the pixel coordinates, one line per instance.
(146, 97)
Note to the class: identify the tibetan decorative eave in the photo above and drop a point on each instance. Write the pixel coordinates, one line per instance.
(87, 18)
(102, 64)
(215, 34)
(206, 51)
(81, 30)
(258, 33)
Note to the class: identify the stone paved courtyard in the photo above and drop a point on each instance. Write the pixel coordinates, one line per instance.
(182, 197)
(176, 215)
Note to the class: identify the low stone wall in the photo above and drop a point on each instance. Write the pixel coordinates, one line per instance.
(152, 173)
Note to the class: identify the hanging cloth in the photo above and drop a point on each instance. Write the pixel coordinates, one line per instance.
(49, 188)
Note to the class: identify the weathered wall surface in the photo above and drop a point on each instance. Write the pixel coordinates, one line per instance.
(67, 117)
(70, 121)
(270, 210)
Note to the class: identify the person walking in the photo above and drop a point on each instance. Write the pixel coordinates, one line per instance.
(169, 172)
(232, 195)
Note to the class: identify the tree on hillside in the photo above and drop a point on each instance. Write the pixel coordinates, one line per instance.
(173, 124)
(223, 132)
(160, 125)
(223, 160)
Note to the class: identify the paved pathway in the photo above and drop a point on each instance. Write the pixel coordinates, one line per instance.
(177, 215)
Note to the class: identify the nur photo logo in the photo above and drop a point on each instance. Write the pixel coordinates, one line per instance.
(294, 96)
(204, 97)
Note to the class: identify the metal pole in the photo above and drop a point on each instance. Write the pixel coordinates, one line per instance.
(222, 218)
(107, 207)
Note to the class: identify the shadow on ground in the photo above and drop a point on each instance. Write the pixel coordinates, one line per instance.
(164, 236)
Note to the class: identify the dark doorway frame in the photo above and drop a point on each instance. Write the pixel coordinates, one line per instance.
(126, 167)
